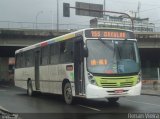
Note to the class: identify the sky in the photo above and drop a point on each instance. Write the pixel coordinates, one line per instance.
(45, 11)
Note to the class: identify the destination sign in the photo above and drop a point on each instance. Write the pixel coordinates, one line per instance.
(108, 34)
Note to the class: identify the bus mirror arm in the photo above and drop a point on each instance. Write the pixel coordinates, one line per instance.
(85, 52)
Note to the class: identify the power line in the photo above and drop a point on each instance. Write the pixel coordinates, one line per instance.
(150, 9)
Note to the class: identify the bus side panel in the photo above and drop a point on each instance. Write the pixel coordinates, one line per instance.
(49, 79)
(54, 78)
(47, 85)
(22, 75)
(57, 73)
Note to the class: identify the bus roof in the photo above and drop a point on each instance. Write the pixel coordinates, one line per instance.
(61, 38)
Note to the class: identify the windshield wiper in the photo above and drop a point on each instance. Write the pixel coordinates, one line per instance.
(118, 51)
(115, 52)
(106, 44)
(102, 40)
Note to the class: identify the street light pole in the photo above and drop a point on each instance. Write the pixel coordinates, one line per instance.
(57, 16)
(38, 13)
(52, 19)
(104, 5)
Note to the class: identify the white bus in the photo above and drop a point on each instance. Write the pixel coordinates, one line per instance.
(90, 63)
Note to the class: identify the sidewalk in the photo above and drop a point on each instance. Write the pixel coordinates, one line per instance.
(150, 90)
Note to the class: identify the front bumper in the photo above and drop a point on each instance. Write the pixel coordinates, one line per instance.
(93, 91)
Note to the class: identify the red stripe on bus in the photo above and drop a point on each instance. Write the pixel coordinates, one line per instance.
(44, 44)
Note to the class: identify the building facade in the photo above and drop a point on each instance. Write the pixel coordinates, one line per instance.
(140, 24)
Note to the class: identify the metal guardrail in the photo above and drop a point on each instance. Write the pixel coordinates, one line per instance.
(34, 25)
(147, 34)
(45, 26)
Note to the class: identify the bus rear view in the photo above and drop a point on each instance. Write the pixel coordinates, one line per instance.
(113, 64)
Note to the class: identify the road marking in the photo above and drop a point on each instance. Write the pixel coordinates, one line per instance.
(143, 102)
(92, 108)
(3, 90)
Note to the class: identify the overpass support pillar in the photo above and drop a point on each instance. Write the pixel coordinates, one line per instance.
(4, 69)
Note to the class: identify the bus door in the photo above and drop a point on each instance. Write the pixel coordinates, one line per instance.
(78, 67)
(37, 63)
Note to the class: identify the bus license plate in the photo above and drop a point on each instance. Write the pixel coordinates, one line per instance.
(118, 91)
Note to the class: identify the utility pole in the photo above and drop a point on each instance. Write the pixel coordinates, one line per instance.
(138, 9)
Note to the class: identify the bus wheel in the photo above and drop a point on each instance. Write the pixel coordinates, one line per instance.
(29, 88)
(113, 100)
(67, 93)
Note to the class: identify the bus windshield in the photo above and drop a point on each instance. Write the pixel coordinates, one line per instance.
(112, 56)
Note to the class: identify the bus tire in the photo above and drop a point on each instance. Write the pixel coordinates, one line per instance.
(113, 100)
(29, 88)
(67, 93)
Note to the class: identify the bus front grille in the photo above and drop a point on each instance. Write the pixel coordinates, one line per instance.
(117, 85)
(126, 84)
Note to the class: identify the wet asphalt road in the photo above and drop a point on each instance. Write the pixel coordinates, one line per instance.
(16, 100)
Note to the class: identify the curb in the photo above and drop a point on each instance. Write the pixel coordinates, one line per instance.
(150, 94)
(2, 109)
(8, 115)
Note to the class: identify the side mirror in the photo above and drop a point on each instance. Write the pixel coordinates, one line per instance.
(85, 52)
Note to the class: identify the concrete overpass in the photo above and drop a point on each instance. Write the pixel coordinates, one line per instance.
(25, 37)
(13, 39)
(148, 39)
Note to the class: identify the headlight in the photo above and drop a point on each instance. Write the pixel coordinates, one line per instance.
(139, 77)
(91, 79)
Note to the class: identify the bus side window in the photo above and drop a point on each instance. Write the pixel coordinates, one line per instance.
(63, 50)
(17, 61)
(54, 53)
(22, 60)
(29, 59)
(69, 53)
(45, 55)
(26, 59)
(66, 51)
